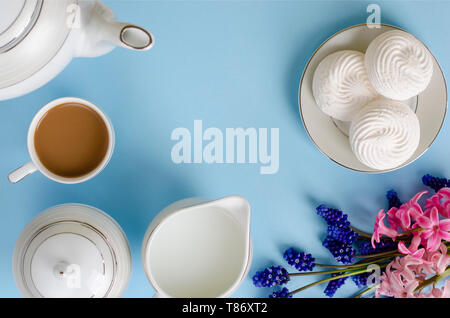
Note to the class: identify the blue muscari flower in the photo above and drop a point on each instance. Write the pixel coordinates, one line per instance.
(342, 252)
(301, 261)
(393, 199)
(366, 248)
(342, 234)
(334, 285)
(333, 216)
(270, 277)
(435, 183)
(361, 279)
(283, 293)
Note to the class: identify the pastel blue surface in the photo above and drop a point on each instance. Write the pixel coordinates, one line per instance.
(230, 64)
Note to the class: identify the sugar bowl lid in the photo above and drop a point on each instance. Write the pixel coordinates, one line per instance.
(73, 251)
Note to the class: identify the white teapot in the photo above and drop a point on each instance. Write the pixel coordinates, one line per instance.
(38, 38)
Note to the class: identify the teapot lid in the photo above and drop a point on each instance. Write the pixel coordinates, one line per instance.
(17, 18)
(32, 28)
(72, 251)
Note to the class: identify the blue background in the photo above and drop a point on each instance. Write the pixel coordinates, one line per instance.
(230, 64)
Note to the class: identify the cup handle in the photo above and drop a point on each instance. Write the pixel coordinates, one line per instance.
(22, 172)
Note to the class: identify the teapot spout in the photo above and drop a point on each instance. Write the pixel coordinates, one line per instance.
(100, 33)
(128, 35)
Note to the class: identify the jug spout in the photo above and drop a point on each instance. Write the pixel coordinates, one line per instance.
(100, 33)
(239, 208)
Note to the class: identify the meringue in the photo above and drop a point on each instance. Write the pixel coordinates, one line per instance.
(384, 134)
(399, 65)
(341, 86)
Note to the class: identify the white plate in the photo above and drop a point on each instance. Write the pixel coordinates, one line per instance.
(329, 139)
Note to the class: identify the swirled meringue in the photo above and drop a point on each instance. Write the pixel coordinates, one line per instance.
(399, 65)
(341, 86)
(384, 134)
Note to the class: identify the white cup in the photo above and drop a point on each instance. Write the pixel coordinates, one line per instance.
(36, 165)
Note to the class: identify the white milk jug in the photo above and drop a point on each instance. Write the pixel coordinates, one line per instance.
(198, 248)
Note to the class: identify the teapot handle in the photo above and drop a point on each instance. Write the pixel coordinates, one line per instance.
(129, 36)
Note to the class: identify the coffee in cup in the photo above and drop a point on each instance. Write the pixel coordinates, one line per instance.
(70, 141)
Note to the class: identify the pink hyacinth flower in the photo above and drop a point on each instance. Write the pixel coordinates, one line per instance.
(435, 229)
(408, 209)
(381, 229)
(445, 193)
(399, 280)
(393, 220)
(436, 201)
(439, 260)
(389, 284)
(413, 249)
(443, 292)
(409, 289)
(408, 267)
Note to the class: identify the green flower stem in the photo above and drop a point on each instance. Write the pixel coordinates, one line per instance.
(390, 253)
(411, 231)
(361, 271)
(361, 233)
(366, 236)
(357, 264)
(324, 272)
(365, 291)
(433, 280)
(357, 272)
